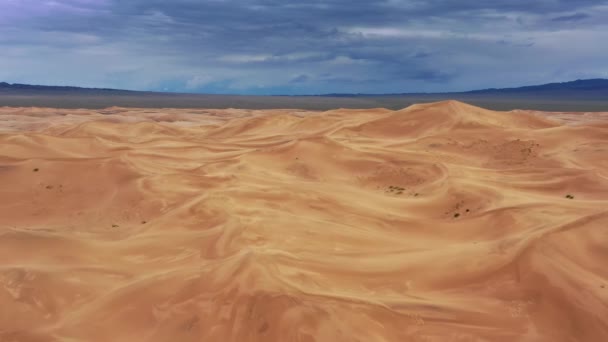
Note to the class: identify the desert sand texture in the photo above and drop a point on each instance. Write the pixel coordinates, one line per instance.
(437, 222)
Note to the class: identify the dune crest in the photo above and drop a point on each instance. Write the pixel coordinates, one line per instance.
(437, 222)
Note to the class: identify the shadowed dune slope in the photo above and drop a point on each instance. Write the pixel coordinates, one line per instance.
(437, 222)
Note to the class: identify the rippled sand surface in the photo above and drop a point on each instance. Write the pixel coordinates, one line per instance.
(438, 222)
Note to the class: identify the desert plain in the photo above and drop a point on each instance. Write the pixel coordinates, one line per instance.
(437, 222)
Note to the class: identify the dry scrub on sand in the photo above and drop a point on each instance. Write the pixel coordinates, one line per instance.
(438, 222)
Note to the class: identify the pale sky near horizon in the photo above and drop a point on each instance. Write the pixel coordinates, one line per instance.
(302, 47)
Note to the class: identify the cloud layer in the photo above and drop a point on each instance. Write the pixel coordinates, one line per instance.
(303, 47)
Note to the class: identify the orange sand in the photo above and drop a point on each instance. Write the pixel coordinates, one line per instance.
(438, 222)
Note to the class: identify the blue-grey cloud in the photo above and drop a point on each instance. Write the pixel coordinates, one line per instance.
(315, 46)
(572, 17)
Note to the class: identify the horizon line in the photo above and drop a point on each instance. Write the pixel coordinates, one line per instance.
(3, 83)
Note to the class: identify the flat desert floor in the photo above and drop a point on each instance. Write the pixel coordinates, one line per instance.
(438, 222)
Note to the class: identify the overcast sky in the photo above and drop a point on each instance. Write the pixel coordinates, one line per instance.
(302, 47)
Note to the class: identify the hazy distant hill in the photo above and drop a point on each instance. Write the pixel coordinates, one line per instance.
(581, 86)
(579, 95)
(17, 87)
(578, 86)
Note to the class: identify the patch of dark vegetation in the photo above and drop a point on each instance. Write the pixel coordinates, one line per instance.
(568, 196)
(144, 222)
(115, 226)
(457, 210)
(36, 170)
(395, 189)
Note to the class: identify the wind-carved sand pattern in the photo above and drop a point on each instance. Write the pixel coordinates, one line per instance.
(438, 222)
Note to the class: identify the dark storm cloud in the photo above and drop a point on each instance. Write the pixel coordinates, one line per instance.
(264, 46)
(572, 17)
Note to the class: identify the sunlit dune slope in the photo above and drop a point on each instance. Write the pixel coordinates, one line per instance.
(437, 222)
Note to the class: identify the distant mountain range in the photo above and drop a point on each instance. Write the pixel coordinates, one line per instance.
(29, 87)
(595, 84)
(579, 95)
(588, 85)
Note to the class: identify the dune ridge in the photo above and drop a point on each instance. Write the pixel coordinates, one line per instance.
(437, 222)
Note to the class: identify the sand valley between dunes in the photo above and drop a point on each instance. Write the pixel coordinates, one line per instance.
(438, 222)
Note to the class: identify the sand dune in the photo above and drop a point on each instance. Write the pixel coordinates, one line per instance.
(438, 222)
